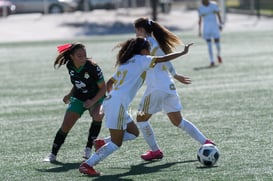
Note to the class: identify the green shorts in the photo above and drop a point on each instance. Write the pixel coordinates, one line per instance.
(76, 105)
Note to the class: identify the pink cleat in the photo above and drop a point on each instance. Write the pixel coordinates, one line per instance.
(152, 155)
(209, 142)
(88, 170)
(219, 59)
(98, 144)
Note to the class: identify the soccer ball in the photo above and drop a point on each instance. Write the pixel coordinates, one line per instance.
(208, 155)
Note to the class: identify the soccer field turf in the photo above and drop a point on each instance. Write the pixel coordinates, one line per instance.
(231, 104)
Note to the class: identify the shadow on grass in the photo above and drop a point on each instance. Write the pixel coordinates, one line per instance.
(62, 167)
(140, 169)
(113, 28)
(204, 167)
(204, 67)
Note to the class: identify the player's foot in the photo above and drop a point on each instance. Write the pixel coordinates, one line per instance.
(219, 59)
(212, 64)
(209, 142)
(152, 155)
(50, 158)
(98, 143)
(87, 153)
(88, 170)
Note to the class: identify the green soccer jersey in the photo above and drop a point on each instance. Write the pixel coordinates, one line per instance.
(85, 79)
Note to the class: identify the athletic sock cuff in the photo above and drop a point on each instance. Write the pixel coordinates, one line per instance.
(143, 124)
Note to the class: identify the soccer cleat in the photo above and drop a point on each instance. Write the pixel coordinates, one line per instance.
(209, 142)
(88, 170)
(98, 144)
(50, 158)
(219, 59)
(152, 155)
(87, 153)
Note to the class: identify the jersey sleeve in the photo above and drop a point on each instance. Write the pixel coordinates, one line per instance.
(147, 61)
(215, 8)
(97, 73)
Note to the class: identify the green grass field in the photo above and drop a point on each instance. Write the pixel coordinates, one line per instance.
(231, 104)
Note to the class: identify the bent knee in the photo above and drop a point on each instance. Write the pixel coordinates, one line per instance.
(141, 116)
(136, 133)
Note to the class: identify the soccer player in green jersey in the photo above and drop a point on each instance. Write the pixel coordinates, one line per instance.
(87, 93)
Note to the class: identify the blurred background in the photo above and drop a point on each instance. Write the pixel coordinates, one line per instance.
(31, 20)
(8, 7)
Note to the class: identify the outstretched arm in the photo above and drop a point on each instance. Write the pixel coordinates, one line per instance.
(180, 78)
(174, 55)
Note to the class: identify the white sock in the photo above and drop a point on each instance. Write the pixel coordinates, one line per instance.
(102, 153)
(107, 139)
(126, 137)
(148, 135)
(210, 51)
(192, 131)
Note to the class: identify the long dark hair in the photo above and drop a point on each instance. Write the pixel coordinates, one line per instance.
(165, 38)
(131, 47)
(64, 53)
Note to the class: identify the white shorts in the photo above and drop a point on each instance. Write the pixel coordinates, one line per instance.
(116, 114)
(211, 32)
(160, 101)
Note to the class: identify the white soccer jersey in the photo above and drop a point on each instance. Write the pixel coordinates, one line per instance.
(127, 77)
(158, 77)
(210, 23)
(127, 83)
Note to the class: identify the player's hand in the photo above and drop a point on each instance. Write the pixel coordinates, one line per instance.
(186, 48)
(88, 103)
(66, 99)
(220, 27)
(182, 79)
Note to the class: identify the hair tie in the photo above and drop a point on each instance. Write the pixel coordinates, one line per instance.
(150, 22)
(64, 47)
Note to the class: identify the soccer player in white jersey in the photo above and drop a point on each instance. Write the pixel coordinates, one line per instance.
(212, 25)
(161, 93)
(132, 60)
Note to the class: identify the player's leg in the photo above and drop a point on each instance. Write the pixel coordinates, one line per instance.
(207, 34)
(218, 49)
(150, 104)
(106, 150)
(73, 113)
(173, 107)
(70, 119)
(115, 120)
(216, 37)
(149, 137)
(189, 127)
(130, 133)
(210, 50)
(95, 127)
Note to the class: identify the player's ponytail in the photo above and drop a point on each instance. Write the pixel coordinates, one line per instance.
(166, 39)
